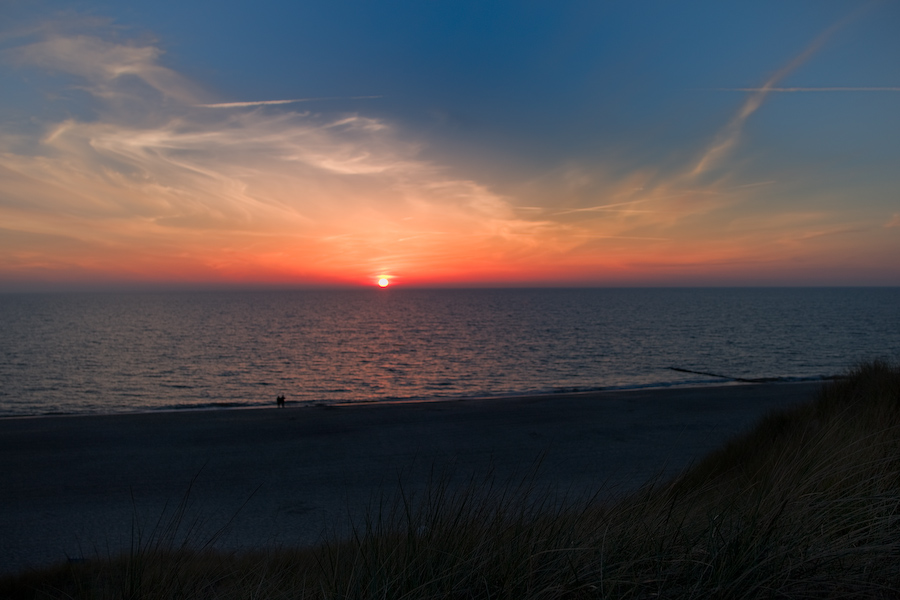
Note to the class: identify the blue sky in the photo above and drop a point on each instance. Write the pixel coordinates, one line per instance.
(744, 143)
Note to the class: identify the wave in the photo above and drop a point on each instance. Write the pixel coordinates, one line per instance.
(711, 380)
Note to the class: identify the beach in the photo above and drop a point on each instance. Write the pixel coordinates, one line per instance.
(92, 485)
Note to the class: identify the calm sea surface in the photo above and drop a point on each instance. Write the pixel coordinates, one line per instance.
(103, 353)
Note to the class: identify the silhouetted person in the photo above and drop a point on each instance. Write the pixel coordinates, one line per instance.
(279, 401)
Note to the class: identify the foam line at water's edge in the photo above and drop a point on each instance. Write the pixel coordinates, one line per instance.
(232, 405)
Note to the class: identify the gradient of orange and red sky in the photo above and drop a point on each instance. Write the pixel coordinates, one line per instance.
(449, 143)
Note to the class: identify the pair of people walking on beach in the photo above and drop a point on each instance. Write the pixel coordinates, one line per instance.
(279, 401)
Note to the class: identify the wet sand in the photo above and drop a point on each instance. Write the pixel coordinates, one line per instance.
(76, 486)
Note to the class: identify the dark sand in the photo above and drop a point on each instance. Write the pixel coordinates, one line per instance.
(73, 486)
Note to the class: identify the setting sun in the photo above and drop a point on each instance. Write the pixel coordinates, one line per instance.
(157, 173)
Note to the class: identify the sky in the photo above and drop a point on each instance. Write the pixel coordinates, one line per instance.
(449, 143)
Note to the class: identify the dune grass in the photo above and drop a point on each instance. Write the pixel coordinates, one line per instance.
(805, 505)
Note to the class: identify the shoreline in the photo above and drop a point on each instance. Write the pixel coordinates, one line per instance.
(724, 382)
(75, 487)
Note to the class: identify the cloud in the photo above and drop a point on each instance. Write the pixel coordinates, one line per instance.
(244, 192)
(619, 207)
(164, 180)
(104, 65)
(894, 221)
(730, 134)
(278, 102)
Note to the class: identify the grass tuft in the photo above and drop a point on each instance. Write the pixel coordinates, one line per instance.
(805, 505)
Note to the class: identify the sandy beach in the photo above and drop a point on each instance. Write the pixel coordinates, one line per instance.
(74, 486)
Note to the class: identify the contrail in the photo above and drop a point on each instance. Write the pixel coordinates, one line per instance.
(729, 135)
(271, 102)
(812, 89)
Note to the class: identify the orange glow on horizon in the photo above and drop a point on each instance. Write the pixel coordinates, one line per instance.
(205, 191)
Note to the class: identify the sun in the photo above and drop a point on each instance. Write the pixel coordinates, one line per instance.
(383, 282)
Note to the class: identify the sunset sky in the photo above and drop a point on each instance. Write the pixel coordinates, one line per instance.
(451, 143)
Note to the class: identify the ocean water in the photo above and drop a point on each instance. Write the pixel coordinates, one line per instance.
(106, 353)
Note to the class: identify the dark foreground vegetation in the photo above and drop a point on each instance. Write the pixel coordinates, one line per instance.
(806, 505)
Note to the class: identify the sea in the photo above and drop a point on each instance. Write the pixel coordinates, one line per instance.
(77, 353)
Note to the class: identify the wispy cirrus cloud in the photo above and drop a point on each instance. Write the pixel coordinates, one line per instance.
(160, 178)
(279, 194)
(165, 176)
(105, 66)
(280, 102)
(651, 202)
